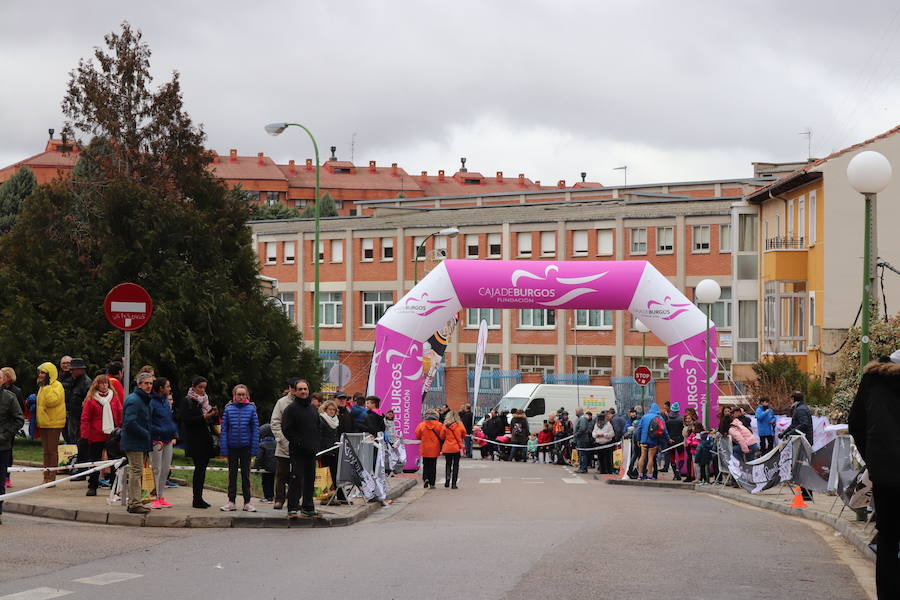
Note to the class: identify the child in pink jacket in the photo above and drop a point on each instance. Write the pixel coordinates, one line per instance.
(743, 439)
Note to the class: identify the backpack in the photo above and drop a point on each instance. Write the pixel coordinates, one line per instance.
(518, 428)
(656, 429)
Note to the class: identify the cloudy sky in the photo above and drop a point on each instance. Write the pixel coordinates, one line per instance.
(675, 90)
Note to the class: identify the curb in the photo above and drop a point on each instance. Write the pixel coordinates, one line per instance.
(649, 483)
(163, 520)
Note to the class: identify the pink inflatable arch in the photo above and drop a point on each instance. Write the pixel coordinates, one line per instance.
(635, 285)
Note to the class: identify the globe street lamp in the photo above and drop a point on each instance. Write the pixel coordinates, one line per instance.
(450, 232)
(639, 326)
(869, 173)
(707, 292)
(278, 129)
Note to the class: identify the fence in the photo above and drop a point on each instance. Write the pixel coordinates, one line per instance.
(628, 393)
(494, 384)
(567, 378)
(437, 393)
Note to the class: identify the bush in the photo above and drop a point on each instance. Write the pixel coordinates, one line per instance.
(779, 376)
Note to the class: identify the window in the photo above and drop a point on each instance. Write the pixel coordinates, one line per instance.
(271, 253)
(784, 317)
(251, 196)
(490, 362)
(593, 319)
(536, 363)
(700, 239)
(639, 240)
(475, 315)
(493, 241)
(271, 198)
(724, 239)
(287, 304)
(321, 251)
(374, 306)
(289, 253)
(790, 219)
(337, 251)
(812, 316)
(665, 240)
(748, 259)
(724, 372)
(594, 366)
(524, 242)
(471, 246)
(537, 318)
(747, 348)
(387, 249)
(548, 243)
(419, 247)
(331, 309)
(579, 243)
(604, 242)
(659, 366)
(801, 218)
(368, 250)
(812, 218)
(720, 312)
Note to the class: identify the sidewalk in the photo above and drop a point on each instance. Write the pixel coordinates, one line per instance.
(67, 501)
(823, 508)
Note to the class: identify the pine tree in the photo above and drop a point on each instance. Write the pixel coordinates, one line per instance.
(327, 208)
(12, 193)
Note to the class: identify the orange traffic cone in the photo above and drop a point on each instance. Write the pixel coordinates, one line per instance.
(798, 499)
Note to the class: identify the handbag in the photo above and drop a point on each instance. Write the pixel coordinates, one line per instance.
(148, 484)
(322, 486)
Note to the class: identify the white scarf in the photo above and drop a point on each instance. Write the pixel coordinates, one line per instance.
(330, 421)
(105, 401)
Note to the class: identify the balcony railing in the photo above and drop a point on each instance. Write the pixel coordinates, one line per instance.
(785, 243)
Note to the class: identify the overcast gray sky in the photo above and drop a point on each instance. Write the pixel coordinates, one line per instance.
(676, 90)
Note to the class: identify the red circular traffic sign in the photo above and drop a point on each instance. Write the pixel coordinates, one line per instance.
(642, 375)
(128, 307)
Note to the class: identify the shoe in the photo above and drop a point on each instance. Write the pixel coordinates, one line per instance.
(310, 513)
(157, 505)
(249, 507)
(228, 507)
(105, 483)
(454, 487)
(138, 510)
(114, 499)
(165, 503)
(446, 484)
(91, 492)
(9, 483)
(171, 484)
(265, 501)
(292, 514)
(201, 503)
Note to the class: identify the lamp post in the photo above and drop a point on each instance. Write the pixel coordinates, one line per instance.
(707, 292)
(639, 325)
(278, 129)
(869, 173)
(450, 232)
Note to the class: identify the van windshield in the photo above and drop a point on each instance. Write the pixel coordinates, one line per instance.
(511, 402)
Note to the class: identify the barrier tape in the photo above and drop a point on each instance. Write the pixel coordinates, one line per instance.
(74, 466)
(670, 448)
(524, 445)
(108, 463)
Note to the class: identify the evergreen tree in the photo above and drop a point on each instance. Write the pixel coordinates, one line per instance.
(139, 209)
(327, 208)
(12, 193)
(271, 212)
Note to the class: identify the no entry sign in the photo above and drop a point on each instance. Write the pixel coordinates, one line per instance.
(642, 375)
(128, 307)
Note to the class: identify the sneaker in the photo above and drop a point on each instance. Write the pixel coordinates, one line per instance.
(105, 483)
(249, 507)
(310, 513)
(265, 501)
(201, 503)
(165, 503)
(171, 484)
(292, 514)
(157, 504)
(278, 505)
(114, 499)
(228, 507)
(138, 510)
(91, 492)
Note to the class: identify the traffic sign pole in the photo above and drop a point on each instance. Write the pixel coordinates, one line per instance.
(127, 356)
(128, 307)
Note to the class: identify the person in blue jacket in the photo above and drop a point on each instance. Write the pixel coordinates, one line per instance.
(765, 425)
(135, 442)
(163, 434)
(650, 442)
(239, 441)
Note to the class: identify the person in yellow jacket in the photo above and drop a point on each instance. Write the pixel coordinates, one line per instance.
(51, 415)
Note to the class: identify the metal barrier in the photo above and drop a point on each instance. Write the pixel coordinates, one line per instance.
(365, 450)
(628, 393)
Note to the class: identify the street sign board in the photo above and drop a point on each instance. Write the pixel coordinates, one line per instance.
(642, 375)
(128, 307)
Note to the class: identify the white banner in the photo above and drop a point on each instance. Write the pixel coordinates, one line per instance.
(479, 360)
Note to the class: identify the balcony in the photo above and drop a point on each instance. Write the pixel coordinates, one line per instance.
(784, 259)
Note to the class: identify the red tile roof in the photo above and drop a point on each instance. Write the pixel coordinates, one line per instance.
(361, 178)
(246, 167)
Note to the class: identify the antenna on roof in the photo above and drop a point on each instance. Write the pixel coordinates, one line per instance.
(808, 134)
(333, 157)
(352, 146)
(623, 168)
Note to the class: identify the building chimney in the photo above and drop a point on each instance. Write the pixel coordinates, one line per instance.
(309, 165)
(333, 155)
(583, 176)
(292, 167)
(260, 159)
(499, 176)
(424, 175)
(372, 168)
(561, 184)
(462, 169)
(537, 182)
(394, 171)
(522, 179)
(441, 176)
(50, 131)
(232, 155)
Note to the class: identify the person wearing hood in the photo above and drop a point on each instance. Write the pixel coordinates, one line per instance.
(136, 442)
(239, 441)
(51, 415)
(651, 433)
(266, 462)
(11, 421)
(300, 426)
(431, 433)
(100, 415)
(874, 424)
(163, 434)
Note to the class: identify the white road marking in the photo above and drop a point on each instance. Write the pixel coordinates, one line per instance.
(41, 593)
(528, 481)
(482, 480)
(476, 466)
(108, 578)
(573, 480)
(527, 478)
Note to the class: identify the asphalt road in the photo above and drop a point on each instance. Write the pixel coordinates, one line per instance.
(516, 531)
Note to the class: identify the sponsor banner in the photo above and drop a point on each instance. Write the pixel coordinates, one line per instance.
(757, 475)
(426, 308)
(664, 309)
(687, 375)
(479, 360)
(433, 352)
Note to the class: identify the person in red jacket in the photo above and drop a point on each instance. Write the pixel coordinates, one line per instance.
(545, 436)
(100, 414)
(454, 442)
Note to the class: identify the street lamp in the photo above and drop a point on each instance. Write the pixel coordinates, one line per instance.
(869, 173)
(278, 129)
(450, 232)
(639, 325)
(707, 292)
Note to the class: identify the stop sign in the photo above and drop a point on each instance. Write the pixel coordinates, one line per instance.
(642, 375)
(128, 307)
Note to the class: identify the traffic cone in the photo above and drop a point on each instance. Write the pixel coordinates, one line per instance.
(798, 499)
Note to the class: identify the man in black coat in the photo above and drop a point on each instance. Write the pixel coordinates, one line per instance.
(490, 428)
(300, 426)
(801, 422)
(374, 423)
(875, 427)
(675, 428)
(76, 391)
(468, 421)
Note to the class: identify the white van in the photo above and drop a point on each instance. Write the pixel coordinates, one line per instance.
(540, 399)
